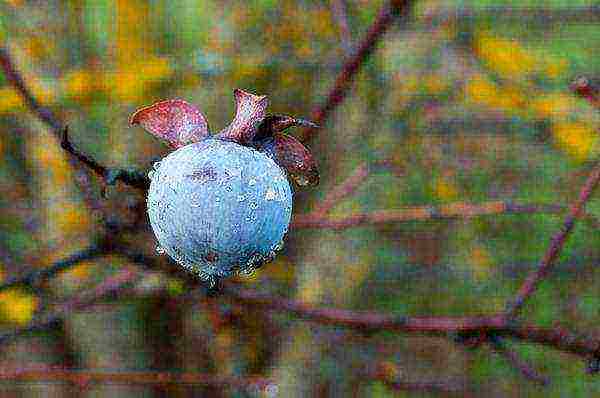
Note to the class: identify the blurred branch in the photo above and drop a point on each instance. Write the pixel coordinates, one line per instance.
(16, 79)
(585, 89)
(390, 11)
(368, 321)
(44, 114)
(110, 176)
(83, 378)
(424, 213)
(396, 382)
(35, 277)
(533, 15)
(513, 357)
(340, 16)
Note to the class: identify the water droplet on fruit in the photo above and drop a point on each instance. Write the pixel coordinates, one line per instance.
(271, 194)
(151, 174)
(241, 198)
(160, 250)
(156, 165)
(253, 205)
(277, 246)
(252, 182)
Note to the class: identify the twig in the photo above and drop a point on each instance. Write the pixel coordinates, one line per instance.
(110, 176)
(557, 243)
(32, 278)
(133, 178)
(343, 190)
(448, 388)
(16, 79)
(425, 213)
(390, 11)
(523, 367)
(83, 378)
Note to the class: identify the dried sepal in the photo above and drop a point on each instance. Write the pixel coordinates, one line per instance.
(273, 124)
(175, 121)
(293, 157)
(250, 110)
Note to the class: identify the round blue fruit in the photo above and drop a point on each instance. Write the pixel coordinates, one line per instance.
(217, 207)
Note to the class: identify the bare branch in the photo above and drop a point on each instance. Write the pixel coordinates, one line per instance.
(35, 277)
(556, 244)
(425, 213)
(390, 11)
(82, 378)
(523, 367)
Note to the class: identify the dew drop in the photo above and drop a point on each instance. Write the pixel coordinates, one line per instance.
(156, 165)
(252, 182)
(271, 194)
(241, 198)
(217, 199)
(151, 174)
(160, 250)
(253, 205)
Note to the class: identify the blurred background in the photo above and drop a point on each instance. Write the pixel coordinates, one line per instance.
(466, 101)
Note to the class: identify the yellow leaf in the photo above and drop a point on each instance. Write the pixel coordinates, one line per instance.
(17, 306)
(506, 57)
(577, 139)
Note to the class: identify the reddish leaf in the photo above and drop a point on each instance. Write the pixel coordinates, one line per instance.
(249, 113)
(175, 121)
(294, 157)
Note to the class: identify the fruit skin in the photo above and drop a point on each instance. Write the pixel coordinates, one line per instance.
(217, 207)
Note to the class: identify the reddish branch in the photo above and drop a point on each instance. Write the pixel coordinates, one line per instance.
(499, 346)
(83, 378)
(369, 321)
(387, 15)
(425, 213)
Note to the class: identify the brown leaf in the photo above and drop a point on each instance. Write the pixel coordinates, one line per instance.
(294, 157)
(175, 121)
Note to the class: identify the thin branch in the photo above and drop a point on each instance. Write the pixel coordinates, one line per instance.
(515, 360)
(426, 213)
(389, 12)
(133, 178)
(343, 190)
(37, 276)
(448, 388)
(16, 79)
(110, 176)
(83, 378)
(369, 321)
(557, 243)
